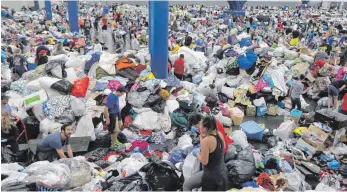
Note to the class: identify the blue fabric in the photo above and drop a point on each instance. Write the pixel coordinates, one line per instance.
(269, 81)
(95, 58)
(247, 61)
(310, 36)
(112, 104)
(252, 184)
(230, 41)
(334, 164)
(99, 86)
(54, 141)
(261, 111)
(3, 56)
(245, 42)
(331, 40)
(6, 108)
(281, 104)
(176, 156)
(230, 53)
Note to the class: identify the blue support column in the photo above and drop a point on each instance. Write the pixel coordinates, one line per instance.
(36, 5)
(72, 6)
(159, 22)
(48, 7)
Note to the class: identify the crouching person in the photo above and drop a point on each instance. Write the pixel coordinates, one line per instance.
(52, 145)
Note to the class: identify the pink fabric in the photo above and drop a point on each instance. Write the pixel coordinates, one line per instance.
(339, 74)
(261, 84)
(224, 109)
(113, 85)
(136, 86)
(142, 145)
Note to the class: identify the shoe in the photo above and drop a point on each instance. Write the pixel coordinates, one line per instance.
(118, 143)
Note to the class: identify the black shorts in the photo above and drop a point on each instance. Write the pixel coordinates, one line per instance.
(112, 125)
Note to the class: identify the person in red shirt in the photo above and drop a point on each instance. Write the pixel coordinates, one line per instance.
(344, 105)
(104, 23)
(179, 67)
(195, 120)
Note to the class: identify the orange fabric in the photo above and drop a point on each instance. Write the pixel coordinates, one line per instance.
(80, 42)
(104, 20)
(81, 21)
(125, 63)
(344, 103)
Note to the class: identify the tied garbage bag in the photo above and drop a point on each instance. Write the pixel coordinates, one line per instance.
(161, 176)
(191, 166)
(132, 183)
(242, 168)
(49, 175)
(285, 130)
(80, 87)
(232, 152)
(63, 86)
(80, 171)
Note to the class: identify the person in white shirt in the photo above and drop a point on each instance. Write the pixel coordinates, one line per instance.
(97, 46)
(134, 42)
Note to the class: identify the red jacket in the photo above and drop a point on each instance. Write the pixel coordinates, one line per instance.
(179, 66)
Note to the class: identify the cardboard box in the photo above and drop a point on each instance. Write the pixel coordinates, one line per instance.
(304, 146)
(319, 146)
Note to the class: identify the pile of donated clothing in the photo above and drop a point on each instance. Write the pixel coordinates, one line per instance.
(238, 80)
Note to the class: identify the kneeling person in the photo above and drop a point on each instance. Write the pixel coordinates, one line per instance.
(53, 144)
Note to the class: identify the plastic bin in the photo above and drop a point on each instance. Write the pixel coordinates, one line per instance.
(296, 113)
(253, 130)
(31, 66)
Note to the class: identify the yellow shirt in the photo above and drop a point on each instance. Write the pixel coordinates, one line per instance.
(294, 42)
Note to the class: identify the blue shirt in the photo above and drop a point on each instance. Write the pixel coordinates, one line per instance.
(112, 104)
(6, 108)
(53, 142)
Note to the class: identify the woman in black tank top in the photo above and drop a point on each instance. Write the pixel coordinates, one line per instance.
(215, 177)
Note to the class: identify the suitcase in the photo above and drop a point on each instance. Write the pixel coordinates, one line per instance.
(251, 110)
(335, 120)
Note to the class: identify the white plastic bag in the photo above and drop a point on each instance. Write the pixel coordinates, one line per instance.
(85, 127)
(61, 57)
(240, 138)
(285, 130)
(184, 142)
(74, 62)
(48, 126)
(34, 85)
(191, 166)
(35, 98)
(51, 175)
(259, 102)
(172, 105)
(228, 91)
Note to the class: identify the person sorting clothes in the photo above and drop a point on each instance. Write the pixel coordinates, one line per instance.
(53, 144)
(9, 132)
(333, 92)
(214, 176)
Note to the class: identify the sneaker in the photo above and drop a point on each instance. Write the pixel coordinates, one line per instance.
(118, 143)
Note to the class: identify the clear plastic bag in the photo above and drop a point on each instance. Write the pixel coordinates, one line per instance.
(184, 142)
(80, 172)
(296, 182)
(50, 175)
(93, 185)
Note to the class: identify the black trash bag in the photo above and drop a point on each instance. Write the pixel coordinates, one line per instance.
(233, 151)
(211, 101)
(233, 71)
(343, 170)
(102, 163)
(186, 107)
(56, 68)
(97, 154)
(122, 138)
(159, 106)
(188, 41)
(161, 176)
(223, 97)
(63, 86)
(6, 155)
(100, 142)
(242, 168)
(131, 183)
